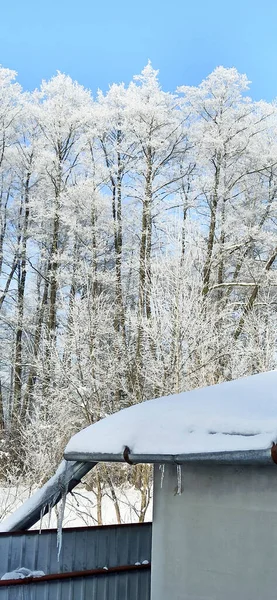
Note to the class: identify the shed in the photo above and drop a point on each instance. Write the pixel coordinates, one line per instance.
(214, 449)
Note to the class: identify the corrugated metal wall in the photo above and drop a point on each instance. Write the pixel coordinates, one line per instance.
(120, 586)
(82, 549)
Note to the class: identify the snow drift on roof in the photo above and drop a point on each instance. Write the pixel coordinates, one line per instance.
(232, 416)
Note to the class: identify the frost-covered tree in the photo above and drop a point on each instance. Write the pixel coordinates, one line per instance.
(137, 253)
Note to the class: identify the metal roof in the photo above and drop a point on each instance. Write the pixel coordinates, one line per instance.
(250, 443)
(235, 418)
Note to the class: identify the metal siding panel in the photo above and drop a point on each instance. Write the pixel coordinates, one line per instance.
(46, 547)
(90, 550)
(121, 586)
(36, 557)
(49, 558)
(65, 590)
(81, 550)
(14, 553)
(101, 587)
(78, 548)
(6, 554)
(78, 589)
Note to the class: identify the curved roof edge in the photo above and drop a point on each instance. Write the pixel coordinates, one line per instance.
(234, 416)
(249, 457)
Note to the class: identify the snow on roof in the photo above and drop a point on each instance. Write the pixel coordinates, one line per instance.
(239, 415)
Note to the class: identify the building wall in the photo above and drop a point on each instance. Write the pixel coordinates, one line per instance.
(83, 548)
(218, 539)
(118, 586)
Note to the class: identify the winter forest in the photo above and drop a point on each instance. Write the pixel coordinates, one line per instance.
(138, 254)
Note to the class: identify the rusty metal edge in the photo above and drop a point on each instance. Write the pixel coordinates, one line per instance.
(74, 574)
(68, 529)
(274, 453)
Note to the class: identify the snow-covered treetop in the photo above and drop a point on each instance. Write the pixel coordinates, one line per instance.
(148, 76)
(223, 87)
(232, 416)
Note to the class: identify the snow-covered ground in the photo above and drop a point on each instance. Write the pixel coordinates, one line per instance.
(81, 507)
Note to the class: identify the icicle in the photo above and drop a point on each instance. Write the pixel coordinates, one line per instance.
(42, 513)
(60, 523)
(179, 480)
(161, 468)
(50, 506)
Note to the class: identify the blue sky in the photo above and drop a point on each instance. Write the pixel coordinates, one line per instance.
(99, 42)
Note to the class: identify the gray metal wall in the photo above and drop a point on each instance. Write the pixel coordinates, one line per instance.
(218, 539)
(82, 549)
(120, 586)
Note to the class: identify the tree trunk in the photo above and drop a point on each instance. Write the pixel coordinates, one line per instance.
(144, 292)
(211, 236)
(99, 499)
(22, 272)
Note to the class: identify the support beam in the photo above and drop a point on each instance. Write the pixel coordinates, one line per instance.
(67, 476)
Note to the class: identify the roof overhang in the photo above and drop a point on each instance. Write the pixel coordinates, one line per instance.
(254, 457)
(231, 421)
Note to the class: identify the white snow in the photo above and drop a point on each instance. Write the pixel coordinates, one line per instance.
(236, 415)
(80, 508)
(179, 480)
(40, 497)
(60, 523)
(161, 468)
(22, 573)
